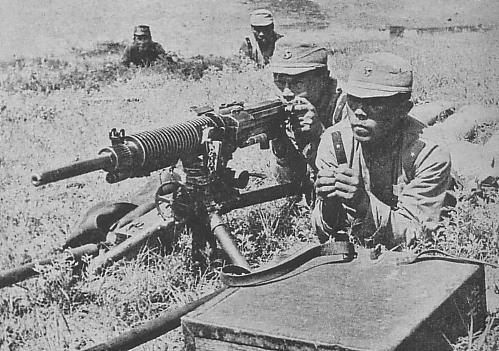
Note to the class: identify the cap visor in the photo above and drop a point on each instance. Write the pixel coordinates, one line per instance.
(290, 70)
(262, 23)
(367, 93)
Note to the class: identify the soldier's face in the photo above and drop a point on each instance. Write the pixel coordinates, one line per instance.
(263, 34)
(142, 41)
(375, 119)
(309, 85)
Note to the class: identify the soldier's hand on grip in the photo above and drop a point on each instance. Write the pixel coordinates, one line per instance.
(342, 182)
(307, 121)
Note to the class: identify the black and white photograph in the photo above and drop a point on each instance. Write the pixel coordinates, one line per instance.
(232, 175)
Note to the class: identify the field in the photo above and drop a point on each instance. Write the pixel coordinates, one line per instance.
(62, 90)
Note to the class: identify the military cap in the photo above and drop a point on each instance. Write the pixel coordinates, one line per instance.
(378, 75)
(299, 59)
(261, 17)
(142, 30)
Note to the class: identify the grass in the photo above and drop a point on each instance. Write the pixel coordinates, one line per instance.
(55, 109)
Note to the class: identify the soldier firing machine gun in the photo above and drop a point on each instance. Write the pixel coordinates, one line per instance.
(204, 144)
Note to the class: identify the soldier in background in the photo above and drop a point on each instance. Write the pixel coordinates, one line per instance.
(389, 184)
(259, 46)
(143, 51)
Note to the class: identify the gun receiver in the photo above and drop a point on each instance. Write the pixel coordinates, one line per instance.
(140, 154)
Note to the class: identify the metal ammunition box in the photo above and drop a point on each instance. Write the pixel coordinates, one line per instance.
(361, 305)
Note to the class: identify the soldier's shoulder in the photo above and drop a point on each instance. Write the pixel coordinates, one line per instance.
(157, 47)
(425, 151)
(414, 128)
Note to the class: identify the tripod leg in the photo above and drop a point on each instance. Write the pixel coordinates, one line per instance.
(199, 233)
(222, 234)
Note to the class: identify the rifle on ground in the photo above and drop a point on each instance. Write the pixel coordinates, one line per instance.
(204, 144)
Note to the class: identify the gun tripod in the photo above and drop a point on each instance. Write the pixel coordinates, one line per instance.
(199, 203)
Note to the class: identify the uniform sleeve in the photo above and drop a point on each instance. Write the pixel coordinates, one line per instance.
(162, 54)
(159, 51)
(290, 165)
(420, 201)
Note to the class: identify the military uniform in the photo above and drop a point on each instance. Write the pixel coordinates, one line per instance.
(255, 50)
(251, 50)
(406, 186)
(295, 155)
(133, 54)
(143, 51)
(296, 158)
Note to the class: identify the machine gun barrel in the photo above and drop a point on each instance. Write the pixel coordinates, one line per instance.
(136, 155)
(73, 170)
(140, 154)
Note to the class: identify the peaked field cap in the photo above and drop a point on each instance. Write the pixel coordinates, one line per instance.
(299, 59)
(142, 30)
(261, 17)
(378, 75)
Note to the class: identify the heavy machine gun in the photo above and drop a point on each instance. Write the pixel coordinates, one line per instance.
(204, 144)
(216, 134)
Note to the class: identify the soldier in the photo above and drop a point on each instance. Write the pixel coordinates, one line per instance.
(390, 184)
(302, 76)
(143, 51)
(259, 46)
